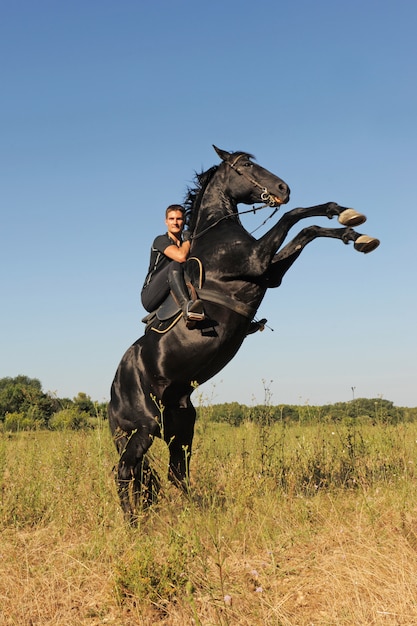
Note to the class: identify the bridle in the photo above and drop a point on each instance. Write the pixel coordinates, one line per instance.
(268, 199)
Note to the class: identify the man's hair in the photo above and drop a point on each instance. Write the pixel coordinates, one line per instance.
(174, 207)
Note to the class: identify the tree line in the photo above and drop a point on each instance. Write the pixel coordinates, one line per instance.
(371, 410)
(25, 406)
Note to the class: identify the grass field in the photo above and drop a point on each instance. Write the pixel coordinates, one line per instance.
(289, 525)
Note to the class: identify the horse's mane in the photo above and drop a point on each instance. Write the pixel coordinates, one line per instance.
(195, 194)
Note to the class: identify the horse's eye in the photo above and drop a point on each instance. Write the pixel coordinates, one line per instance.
(247, 164)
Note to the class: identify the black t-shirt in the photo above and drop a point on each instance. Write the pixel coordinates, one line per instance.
(158, 259)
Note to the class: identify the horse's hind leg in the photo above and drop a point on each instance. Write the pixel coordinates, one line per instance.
(146, 485)
(178, 433)
(137, 483)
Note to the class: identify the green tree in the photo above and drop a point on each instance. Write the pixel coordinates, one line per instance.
(84, 404)
(24, 395)
(18, 394)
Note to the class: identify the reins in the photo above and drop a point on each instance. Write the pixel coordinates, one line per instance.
(225, 217)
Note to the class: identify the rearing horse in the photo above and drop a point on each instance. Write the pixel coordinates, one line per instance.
(150, 394)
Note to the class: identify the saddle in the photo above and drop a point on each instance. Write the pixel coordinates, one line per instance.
(169, 312)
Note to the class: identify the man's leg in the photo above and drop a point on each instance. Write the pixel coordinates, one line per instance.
(192, 309)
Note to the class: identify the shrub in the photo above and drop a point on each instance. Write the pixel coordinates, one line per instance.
(69, 419)
(14, 422)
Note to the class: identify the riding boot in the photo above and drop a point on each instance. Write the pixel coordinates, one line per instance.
(193, 310)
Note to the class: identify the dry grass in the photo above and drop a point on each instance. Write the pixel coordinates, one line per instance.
(242, 552)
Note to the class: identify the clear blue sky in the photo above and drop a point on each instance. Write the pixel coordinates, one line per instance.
(107, 111)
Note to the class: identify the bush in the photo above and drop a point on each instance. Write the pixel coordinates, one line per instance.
(14, 422)
(69, 419)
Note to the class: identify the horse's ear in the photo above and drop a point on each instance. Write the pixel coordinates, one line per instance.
(223, 154)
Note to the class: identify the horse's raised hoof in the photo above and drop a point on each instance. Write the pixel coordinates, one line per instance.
(366, 244)
(350, 217)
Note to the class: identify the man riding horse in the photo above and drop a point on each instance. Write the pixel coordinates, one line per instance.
(168, 254)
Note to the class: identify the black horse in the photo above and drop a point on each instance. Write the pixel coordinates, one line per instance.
(150, 394)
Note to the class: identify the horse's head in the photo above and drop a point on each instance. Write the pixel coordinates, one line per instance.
(250, 183)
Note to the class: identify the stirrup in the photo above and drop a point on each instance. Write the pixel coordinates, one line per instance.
(195, 312)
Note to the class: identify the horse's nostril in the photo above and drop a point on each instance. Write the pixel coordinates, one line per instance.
(284, 189)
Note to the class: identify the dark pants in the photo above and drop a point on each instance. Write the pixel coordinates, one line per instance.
(155, 293)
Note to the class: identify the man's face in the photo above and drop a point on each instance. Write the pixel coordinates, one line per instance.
(175, 223)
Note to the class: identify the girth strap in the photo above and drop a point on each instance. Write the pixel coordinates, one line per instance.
(227, 301)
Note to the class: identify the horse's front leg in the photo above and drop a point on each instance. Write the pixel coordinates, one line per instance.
(284, 259)
(274, 238)
(346, 217)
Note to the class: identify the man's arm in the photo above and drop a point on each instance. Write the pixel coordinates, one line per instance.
(176, 253)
